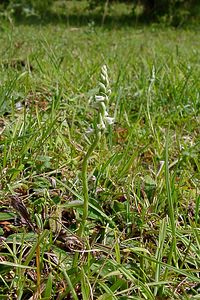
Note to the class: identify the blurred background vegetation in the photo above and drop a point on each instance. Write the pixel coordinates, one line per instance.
(170, 12)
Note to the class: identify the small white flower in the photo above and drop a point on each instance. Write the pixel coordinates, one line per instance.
(109, 120)
(19, 106)
(89, 131)
(103, 77)
(107, 82)
(102, 87)
(101, 126)
(104, 70)
(100, 98)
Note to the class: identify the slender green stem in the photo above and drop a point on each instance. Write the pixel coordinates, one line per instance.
(70, 284)
(85, 182)
(85, 190)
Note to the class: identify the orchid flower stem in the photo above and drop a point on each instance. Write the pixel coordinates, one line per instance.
(85, 182)
(85, 190)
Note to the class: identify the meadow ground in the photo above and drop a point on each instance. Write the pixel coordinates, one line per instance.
(141, 239)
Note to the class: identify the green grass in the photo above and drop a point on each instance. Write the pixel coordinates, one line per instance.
(141, 239)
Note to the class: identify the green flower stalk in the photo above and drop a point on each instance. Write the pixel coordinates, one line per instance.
(100, 102)
(85, 182)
